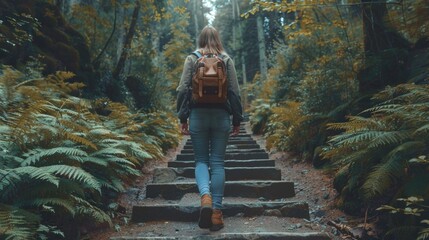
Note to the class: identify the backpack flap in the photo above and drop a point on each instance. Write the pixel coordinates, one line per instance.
(209, 81)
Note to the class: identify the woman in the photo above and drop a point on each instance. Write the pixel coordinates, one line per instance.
(209, 127)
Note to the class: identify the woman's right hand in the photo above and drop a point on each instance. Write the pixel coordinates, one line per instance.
(185, 129)
(235, 130)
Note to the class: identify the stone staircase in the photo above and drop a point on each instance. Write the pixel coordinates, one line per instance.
(258, 204)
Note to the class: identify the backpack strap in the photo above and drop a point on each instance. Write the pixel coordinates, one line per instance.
(197, 53)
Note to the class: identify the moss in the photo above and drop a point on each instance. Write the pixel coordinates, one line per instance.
(43, 41)
(58, 35)
(25, 7)
(341, 179)
(48, 19)
(68, 56)
(51, 64)
(79, 43)
(4, 30)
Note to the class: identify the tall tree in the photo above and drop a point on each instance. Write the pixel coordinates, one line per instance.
(262, 50)
(127, 44)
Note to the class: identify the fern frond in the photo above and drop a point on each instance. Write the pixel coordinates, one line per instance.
(35, 173)
(100, 131)
(112, 184)
(387, 173)
(17, 223)
(66, 203)
(74, 173)
(383, 108)
(357, 137)
(38, 154)
(78, 139)
(109, 152)
(423, 129)
(95, 160)
(43, 230)
(134, 149)
(9, 161)
(86, 209)
(357, 123)
(389, 138)
(402, 232)
(74, 126)
(423, 234)
(119, 161)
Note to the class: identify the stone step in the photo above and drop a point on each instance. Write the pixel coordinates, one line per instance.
(241, 135)
(188, 210)
(245, 137)
(232, 141)
(248, 189)
(229, 163)
(233, 146)
(228, 156)
(239, 236)
(162, 175)
(231, 150)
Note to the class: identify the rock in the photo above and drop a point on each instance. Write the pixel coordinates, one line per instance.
(272, 212)
(319, 213)
(164, 175)
(326, 196)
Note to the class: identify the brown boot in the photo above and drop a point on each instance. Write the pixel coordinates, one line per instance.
(205, 212)
(217, 220)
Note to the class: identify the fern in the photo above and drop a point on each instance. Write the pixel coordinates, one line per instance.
(17, 224)
(73, 173)
(78, 139)
(423, 234)
(389, 138)
(110, 151)
(86, 209)
(58, 156)
(62, 202)
(395, 131)
(403, 232)
(38, 154)
(35, 173)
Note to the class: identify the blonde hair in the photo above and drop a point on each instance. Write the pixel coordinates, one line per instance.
(209, 41)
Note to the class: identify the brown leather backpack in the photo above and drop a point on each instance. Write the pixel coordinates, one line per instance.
(209, 82)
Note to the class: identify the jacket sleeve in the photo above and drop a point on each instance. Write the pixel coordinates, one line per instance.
(234, 97)
(184, 91)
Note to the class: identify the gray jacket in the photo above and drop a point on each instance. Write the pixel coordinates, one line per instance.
(184, 92)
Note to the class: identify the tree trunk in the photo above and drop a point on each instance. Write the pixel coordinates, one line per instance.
(121, 31)
(197, 29)
(373, 26)
(234, 25)
(127, 44)
(96, 62)
(387, 49)
(262, 52)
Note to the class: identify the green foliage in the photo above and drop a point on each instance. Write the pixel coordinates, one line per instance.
(176, 50)
(415, 212)
(59, 158)
(383, 143)
(316, 71)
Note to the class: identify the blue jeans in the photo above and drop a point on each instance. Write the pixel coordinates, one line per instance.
(210, 128)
